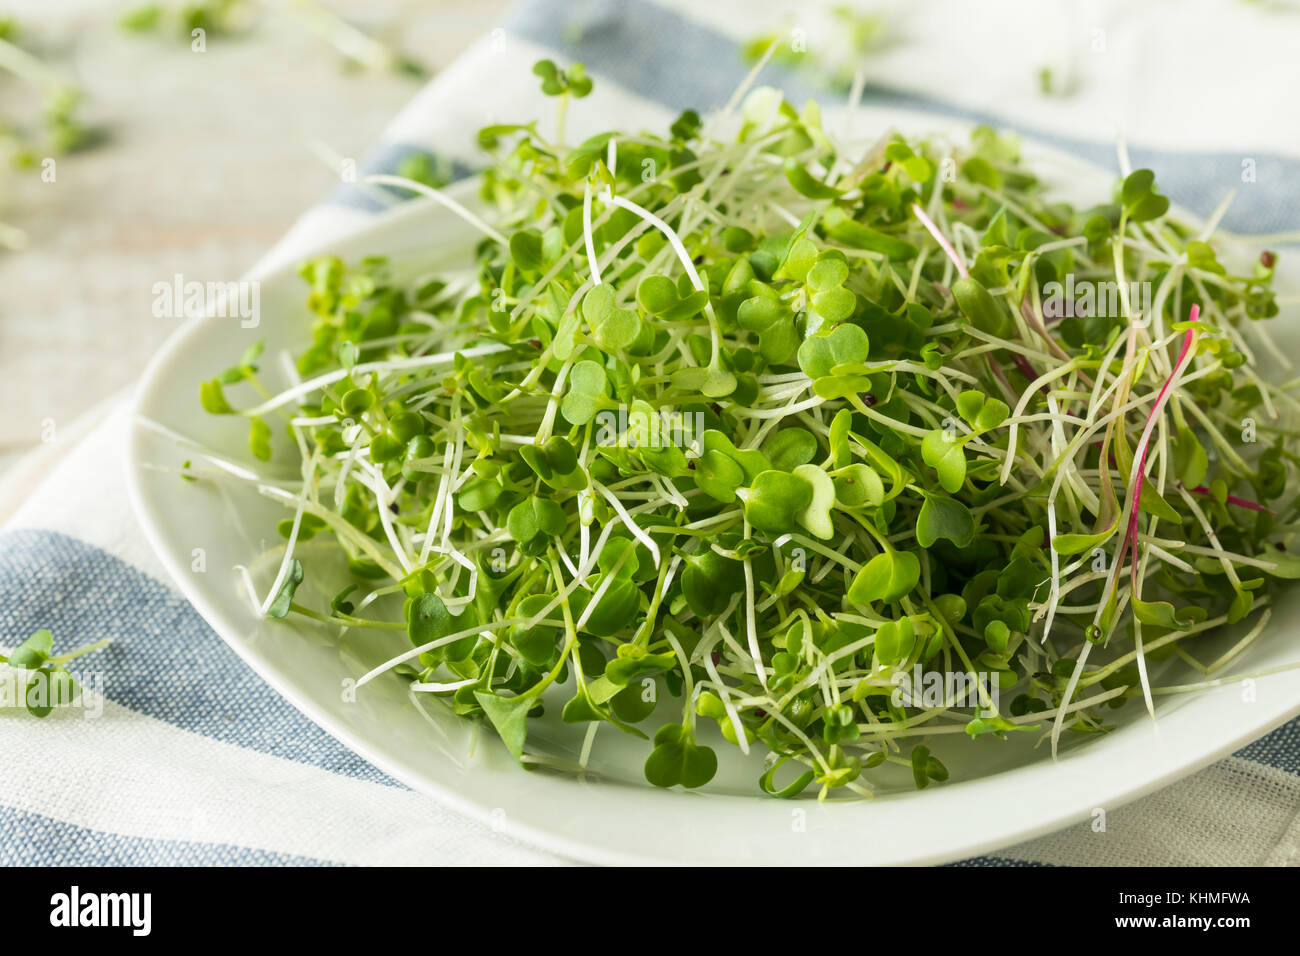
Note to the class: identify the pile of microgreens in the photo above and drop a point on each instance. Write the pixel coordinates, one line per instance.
(903, 461)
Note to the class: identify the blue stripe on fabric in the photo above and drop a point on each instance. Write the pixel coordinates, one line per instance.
(1280, 749)
(669, 59)
(165, 661)
(32, 839)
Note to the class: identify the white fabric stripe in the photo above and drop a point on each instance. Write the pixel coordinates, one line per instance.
(21, 480)
(318, 226)
(96, 511)
(130, 774)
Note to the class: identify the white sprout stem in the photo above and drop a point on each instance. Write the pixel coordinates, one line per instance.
(440, 197)
(1152, 419)
(431, 534)
(678, 246)
(1054, 596)
(429, 687)
(553, 403)
(743, 87)
(1143, 679)
(942, 240)
(484, 629)
(724, 693)
(1129, 509)
(29, 68)
(309, 468)
(1216, 217)
(353, 43)
(384, 496)
(303, 389)
(688, 681)
(1025, 398)
(225, 464)
(587, 238)
(349, 459)
(1245, 642)
(751, 631)
(632, 526)
(453, 487)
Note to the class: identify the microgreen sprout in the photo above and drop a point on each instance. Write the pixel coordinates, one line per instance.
(61, 99)
(43, 676)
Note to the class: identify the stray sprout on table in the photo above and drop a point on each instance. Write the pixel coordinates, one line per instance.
(222, 18)
(60, 99)
(44, 681)
(765, 433)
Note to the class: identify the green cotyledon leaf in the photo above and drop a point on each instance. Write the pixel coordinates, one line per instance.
(843, 345)
(775, 500)
(613, 328)
(895, 641)
(944, 517)
(1153, 503)
(980, 307)
(805, 184)
(284, 597)
(509, 716)
(886, 577)
(535, 517)
(1163, 614)
(678, 759)
(858, 485)
(1073, 543)
(33, 652)
(945, 454)
(816, 515)
(588, 387)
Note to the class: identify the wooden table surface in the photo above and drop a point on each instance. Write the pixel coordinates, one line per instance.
(205, 166)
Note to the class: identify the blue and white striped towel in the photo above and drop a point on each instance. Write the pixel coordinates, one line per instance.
(194, 760)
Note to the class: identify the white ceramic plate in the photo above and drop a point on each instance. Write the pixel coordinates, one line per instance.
(1003, 792)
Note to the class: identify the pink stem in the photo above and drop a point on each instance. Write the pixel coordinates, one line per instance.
(1027, 370)
(1234, 500)
(1035, 323)
(1202, 490)
(1020, 361)
(1144, 444)
(1001, 376)
(940, 238)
